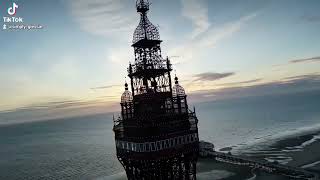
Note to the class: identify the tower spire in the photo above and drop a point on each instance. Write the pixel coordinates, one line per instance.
(145, 29)
(142, 6)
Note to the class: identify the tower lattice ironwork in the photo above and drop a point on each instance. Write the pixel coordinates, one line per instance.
(156, 135)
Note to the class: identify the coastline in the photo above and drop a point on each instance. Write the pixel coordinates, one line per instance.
(297, 150)
(211, 169)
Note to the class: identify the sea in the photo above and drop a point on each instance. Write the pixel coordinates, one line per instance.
(84, 147)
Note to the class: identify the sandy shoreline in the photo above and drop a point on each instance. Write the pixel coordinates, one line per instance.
(301, 150)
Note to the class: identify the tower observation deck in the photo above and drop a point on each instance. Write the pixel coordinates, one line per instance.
(156, 135)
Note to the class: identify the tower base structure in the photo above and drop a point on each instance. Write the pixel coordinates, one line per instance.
(179, 167)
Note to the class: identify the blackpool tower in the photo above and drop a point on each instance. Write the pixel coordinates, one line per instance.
(156, 135)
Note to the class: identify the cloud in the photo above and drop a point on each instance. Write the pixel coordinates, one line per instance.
(211, 76)
(292, 84)
(104, 17)
(60, 104)
(312, 59)
(227, 30)
(306, 76)
(302, 60)
(240, 83)
(311, 18)
(56, 110)
(105, 87)
(197, 12)
(196, 47)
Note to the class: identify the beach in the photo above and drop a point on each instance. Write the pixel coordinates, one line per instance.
(300, 150)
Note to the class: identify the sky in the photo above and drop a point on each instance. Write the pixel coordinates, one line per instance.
(220, 49)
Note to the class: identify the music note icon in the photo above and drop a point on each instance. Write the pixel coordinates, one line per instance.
(12, 10)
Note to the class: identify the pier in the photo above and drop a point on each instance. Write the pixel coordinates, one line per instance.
(293, 172)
